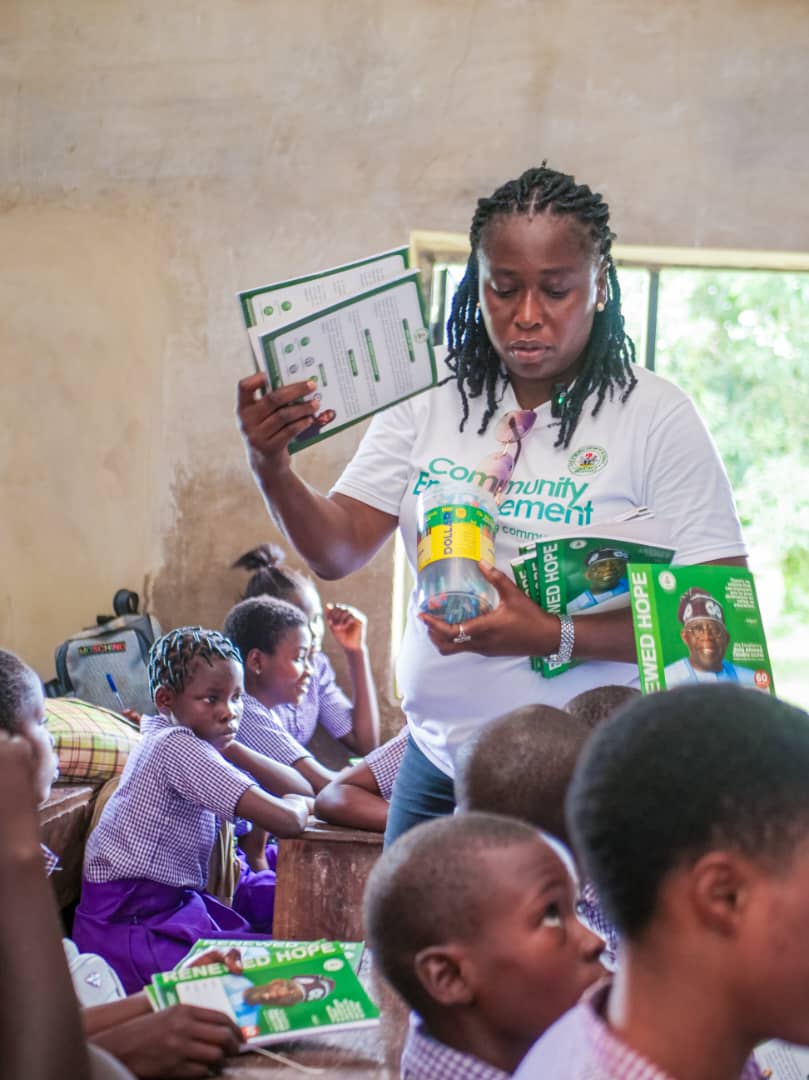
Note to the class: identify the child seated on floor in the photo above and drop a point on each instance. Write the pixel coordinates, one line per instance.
(181, 1041)
(471, 919)
(359, 796)
(146, 862)
(356, 724)
(521, 765)
(690, 811)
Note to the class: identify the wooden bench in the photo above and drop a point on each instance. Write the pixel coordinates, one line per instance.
(321, 877)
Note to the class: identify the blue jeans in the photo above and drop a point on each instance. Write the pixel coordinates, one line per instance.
(421, 792)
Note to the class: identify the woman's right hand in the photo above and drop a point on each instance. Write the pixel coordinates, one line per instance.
(301, 807)
(269, 421)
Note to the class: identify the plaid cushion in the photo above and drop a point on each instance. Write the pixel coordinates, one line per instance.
(92, 743)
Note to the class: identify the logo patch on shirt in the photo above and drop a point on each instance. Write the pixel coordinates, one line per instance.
(587, 459)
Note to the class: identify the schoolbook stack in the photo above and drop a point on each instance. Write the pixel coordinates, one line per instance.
(586, 572)
(358, 331)
(275, 990)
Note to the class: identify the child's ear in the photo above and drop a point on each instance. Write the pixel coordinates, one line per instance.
(444, 972)
(164, 699)
(721, 889)
(252, 662)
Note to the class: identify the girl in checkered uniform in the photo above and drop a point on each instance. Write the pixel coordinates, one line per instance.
(143, 902)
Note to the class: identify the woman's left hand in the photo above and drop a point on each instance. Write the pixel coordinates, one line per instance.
(516, 627)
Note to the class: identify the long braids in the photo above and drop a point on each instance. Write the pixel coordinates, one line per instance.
(171, 656)
(609, 354)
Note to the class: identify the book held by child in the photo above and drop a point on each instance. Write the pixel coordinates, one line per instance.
(360, 332)
(273, 999)
(697, 624)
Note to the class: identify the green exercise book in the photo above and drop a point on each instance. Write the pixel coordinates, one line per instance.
(273, 951)
(278, 1000)
(586, 572)
(698, 624)
(360, 332)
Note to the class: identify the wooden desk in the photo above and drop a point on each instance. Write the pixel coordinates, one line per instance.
(321, 877)
(367, 1052)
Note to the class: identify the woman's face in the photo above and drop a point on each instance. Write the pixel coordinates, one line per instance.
(540, 280)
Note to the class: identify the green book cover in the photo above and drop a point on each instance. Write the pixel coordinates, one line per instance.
(698, 624)
(584, 574)
(273, 951)
(274, 1002)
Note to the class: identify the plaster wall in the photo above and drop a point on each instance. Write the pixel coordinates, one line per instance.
(156, 158)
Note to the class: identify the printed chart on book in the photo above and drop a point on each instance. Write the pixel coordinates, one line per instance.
(359, 332)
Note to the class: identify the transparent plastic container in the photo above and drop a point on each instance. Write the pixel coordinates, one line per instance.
(456, 528)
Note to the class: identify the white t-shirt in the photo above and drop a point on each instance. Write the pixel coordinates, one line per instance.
(651, 451)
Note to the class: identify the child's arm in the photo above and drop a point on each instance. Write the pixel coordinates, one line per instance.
(285, 817)
(348, 626)
(183, 1041)
(40, 1027)
(353, 799)
(274, 777)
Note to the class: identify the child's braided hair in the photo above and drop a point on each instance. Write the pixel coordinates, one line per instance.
(171, 655)
(609, 354)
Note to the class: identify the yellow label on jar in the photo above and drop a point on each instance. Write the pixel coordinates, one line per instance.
(456, 533)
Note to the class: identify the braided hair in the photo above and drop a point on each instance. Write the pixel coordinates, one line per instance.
(606, 362)
(171, 656)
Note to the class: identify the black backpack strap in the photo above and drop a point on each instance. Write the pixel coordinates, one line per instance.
(125, 602)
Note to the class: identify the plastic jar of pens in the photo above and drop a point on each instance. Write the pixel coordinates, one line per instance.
(456, 528)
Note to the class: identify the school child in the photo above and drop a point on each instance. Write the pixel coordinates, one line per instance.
(146, 862)
(359, 796)
(521, 765)
(471, 919)
(598, 703)
(690, 811)
(180, 1041)
(355, 724)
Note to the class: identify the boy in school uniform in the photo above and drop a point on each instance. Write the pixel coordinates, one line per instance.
(521, 765)
(471, 919)
(690, 811)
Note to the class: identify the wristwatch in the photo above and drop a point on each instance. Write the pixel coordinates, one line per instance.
(565, 652)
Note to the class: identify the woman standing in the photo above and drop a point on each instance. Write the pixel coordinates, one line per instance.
(545, 405)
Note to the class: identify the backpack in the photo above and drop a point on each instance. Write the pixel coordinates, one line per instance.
(107, 664)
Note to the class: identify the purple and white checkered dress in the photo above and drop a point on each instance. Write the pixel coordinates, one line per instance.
(581, 1046)
(261, 730)
(146, 862)
(160, 822)
(425, 1058)
(323, 703)
(384, 762)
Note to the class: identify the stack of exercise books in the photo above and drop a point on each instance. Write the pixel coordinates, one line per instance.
(692, 624)
(273, 990)
(585, 572)
(358, 331)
